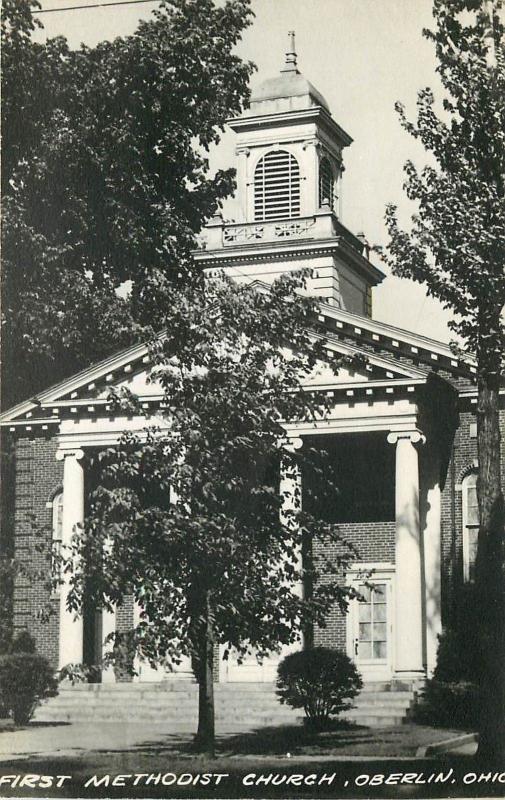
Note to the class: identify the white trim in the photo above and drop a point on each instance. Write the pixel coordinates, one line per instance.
(383, 572)
(399, 334)
(464, 524)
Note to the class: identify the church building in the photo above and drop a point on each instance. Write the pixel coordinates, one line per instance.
(401, 430)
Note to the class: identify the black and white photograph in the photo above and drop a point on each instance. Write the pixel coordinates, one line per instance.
(252, 530)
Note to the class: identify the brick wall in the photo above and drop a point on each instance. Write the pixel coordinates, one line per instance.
(375, 542)
(463, 458)
(124, 623)
(38, 477)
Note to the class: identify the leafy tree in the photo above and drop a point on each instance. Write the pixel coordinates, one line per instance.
(457, 246)
(188, 516)
(105, 177)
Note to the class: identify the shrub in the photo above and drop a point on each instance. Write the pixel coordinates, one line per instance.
(25, 680)
(453, 704)
(320, 680)
(23, 643)
(452, 697)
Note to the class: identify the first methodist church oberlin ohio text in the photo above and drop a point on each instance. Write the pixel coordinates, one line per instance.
(254, 779)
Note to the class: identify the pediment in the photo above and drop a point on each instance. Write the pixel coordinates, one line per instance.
(364, 365)
(358, 366)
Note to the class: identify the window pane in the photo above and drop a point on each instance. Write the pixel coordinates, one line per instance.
(365, 593)
(473, 515)
(364, 631)
(57, 515)
(379, 592)
(473, 536)
(364, 612)
(379, 632)
(380, 650)
(379, 612)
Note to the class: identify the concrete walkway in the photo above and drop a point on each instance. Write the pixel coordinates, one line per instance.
(77, 738)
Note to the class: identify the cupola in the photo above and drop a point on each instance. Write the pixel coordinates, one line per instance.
(288, 91)
(289, 190)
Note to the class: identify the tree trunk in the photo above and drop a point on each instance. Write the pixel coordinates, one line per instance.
(490, 573)
(205, 736)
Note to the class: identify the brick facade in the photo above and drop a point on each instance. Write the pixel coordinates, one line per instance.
(38, 479)
(374, 542)
(464, 459)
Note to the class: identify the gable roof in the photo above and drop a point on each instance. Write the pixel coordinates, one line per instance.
(400, 343)
(389, 354)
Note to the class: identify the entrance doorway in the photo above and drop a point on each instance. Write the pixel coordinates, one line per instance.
(370, 627)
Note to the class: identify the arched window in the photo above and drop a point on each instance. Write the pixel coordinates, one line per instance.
(277, 186)
(326, 183)
(57, 525)
(470, 525)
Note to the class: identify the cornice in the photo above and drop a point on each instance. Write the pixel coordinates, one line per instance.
(285, 118)
(275, 251)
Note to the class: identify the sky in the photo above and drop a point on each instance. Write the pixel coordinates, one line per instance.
(363, 56)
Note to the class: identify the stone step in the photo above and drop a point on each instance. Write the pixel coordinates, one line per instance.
(238, 706)
(237, 703)
(161, 714)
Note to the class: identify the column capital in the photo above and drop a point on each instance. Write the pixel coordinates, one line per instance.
(76, 452)
(415, 436)
(293, 443)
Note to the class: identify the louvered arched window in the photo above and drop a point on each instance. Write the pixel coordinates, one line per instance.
(277, 186)
(326, 184)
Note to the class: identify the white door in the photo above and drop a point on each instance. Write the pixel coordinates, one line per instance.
(250, 671)
(370, 630)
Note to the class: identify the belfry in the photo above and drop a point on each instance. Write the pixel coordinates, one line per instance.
(289, 175)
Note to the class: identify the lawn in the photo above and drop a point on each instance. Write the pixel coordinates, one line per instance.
(271, 762)
(343, 740)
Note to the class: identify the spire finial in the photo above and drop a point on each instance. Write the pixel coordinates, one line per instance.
(290, 63)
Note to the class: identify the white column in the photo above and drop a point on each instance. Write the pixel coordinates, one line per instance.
(108, 627)
(290, 485)
(408, 632)
(71, 625)
(431, 537)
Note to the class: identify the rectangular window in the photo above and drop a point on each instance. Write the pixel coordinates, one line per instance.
(372, 632)
(470, 511)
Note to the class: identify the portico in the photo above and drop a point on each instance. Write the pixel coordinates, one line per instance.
(358, 417)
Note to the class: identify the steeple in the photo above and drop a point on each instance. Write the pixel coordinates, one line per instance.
(290, 63)
(287, 91)
(289, 173)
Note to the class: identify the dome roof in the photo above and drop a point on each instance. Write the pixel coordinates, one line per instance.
(289, 85)
(288, 91)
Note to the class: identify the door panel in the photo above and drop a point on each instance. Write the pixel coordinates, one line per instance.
(370, 640)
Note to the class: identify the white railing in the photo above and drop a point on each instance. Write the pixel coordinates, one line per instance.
(268, 231)
(323, 225)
